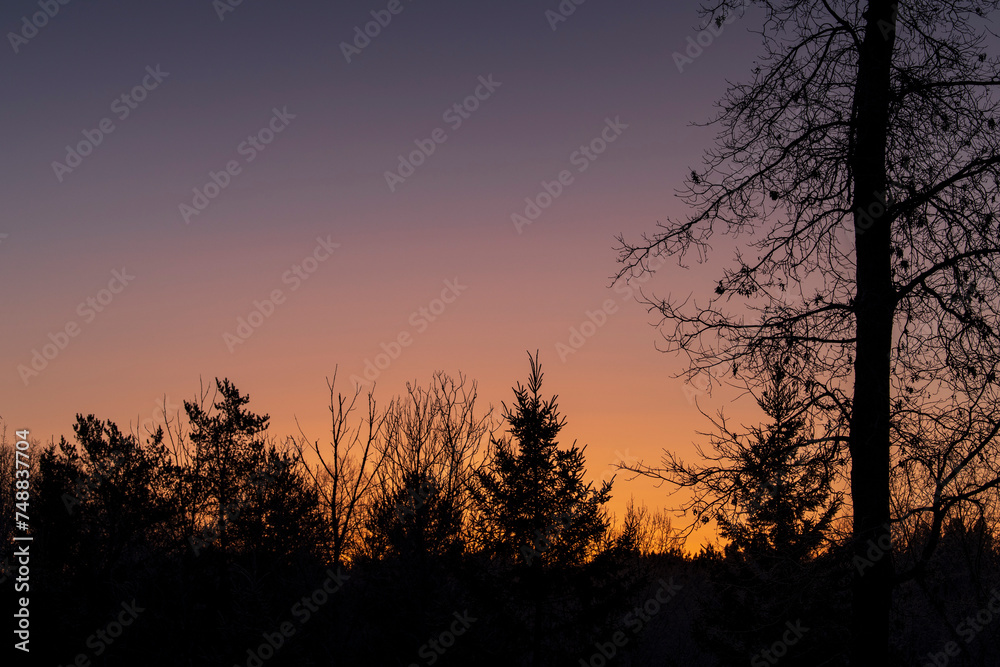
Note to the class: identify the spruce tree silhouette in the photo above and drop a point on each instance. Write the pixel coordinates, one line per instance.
(771, 492)
(784, 502)
(536, 513)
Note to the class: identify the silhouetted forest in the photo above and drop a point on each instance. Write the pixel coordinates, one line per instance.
(428, 531)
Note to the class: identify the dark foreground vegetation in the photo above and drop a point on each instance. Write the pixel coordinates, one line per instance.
(425, 532)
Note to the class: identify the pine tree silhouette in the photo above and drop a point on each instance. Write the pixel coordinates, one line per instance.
(535, 510)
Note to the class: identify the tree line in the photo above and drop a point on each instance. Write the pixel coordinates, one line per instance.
(427, 532)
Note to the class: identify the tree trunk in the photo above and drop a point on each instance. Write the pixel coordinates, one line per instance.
(874, 306)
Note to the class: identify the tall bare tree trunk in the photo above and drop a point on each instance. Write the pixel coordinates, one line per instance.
(874, 305)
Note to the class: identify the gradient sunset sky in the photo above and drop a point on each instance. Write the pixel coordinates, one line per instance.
(343, 126)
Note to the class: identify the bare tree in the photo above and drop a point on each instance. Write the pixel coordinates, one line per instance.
(7, 470)
(348, 467)
(861, 165)
(947, 464)
(645, 532)
(435, 433)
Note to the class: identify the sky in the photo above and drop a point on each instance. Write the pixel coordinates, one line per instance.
(264, 192)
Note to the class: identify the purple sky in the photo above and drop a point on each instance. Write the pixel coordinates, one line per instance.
(300, 141)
